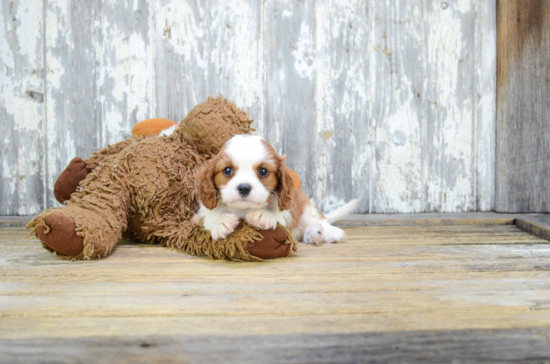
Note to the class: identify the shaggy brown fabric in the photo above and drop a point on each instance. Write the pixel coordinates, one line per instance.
(68, 180)
(147, 186)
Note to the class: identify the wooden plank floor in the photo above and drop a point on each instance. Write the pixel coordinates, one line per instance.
(420, 293)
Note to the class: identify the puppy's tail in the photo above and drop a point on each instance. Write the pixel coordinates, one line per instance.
(342, 212)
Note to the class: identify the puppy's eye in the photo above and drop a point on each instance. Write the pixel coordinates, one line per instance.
(228, 171)
(262, 172)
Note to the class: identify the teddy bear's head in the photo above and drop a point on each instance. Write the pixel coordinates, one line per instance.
(210, 124)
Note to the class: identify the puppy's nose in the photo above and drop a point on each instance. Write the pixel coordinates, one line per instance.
(244, 189)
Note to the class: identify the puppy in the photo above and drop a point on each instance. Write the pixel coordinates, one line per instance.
(248, 181)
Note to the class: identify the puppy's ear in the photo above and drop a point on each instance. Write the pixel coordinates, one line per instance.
(205, 184)
(285, 183)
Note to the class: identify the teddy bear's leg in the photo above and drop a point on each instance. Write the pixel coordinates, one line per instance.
(93, 220)
(78, 232)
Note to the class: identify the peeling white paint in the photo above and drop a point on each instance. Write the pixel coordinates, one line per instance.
(287, 13)
(6, 57)
(21, 111)
(26, 116)
(177, 22)
(29, 18)
(399, 166)
(337, 75)
(451, 104)
(463, 6)
(304, 61)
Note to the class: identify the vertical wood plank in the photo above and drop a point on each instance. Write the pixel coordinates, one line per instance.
(73, 37)
(398, 75)
(291, 77)
(523, 126)
(449, 157)
(206, 48)
(126, 70)
(21, 107)
(341, 137)
(486, 103)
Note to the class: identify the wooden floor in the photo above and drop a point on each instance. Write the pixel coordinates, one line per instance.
(389, 293)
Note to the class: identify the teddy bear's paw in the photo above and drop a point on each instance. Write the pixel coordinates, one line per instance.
(261, 219)
(68, 181)
(224, 226)
(62, 236)
(271, 245)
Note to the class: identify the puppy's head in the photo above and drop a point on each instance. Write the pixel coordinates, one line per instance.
(246, 174)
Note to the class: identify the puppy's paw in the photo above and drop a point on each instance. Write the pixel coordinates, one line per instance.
(332, 234)
(197, 220)
(225, 226)
(261, 219)
(313, 234)
(323, 233)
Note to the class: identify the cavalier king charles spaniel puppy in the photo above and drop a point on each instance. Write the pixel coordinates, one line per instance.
(248, 181)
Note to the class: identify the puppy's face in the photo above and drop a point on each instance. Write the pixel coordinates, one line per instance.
(246, 174)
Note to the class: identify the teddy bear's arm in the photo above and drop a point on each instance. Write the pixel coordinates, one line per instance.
(246, 243)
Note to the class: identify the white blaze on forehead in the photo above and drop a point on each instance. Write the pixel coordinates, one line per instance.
(246, 150)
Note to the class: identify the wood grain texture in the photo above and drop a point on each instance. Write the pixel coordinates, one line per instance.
(398, 78)
(126, 69)
(523, 147)
(538, 225)
(427, 134)
(21, 108)
(472, 346)
(422, 219)
(449, 151)
(342, 131)
(207, 48)
(73, 107)
(291, 75)
(389, 102)
(387, 292)
(432, 219)
(486, 106)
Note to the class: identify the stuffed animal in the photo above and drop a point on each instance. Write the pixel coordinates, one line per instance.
(145, 188)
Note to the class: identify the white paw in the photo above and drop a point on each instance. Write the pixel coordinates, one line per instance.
(313, 234)
(323, 233)
(261, 219)
(332, 234)
(197, 220)
(224, 227)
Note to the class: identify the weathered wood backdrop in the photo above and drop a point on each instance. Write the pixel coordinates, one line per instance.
(523, 148)
(389, 101)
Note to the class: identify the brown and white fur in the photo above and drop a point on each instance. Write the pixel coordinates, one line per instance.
(248, 181)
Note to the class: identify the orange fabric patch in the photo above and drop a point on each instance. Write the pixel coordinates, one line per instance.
(151, 127)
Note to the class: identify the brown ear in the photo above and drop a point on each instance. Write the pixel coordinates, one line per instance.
(205, 184)
(284, 187)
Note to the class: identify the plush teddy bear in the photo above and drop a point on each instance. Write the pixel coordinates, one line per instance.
(145, 188)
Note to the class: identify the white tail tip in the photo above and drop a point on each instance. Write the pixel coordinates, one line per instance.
(343, 211)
